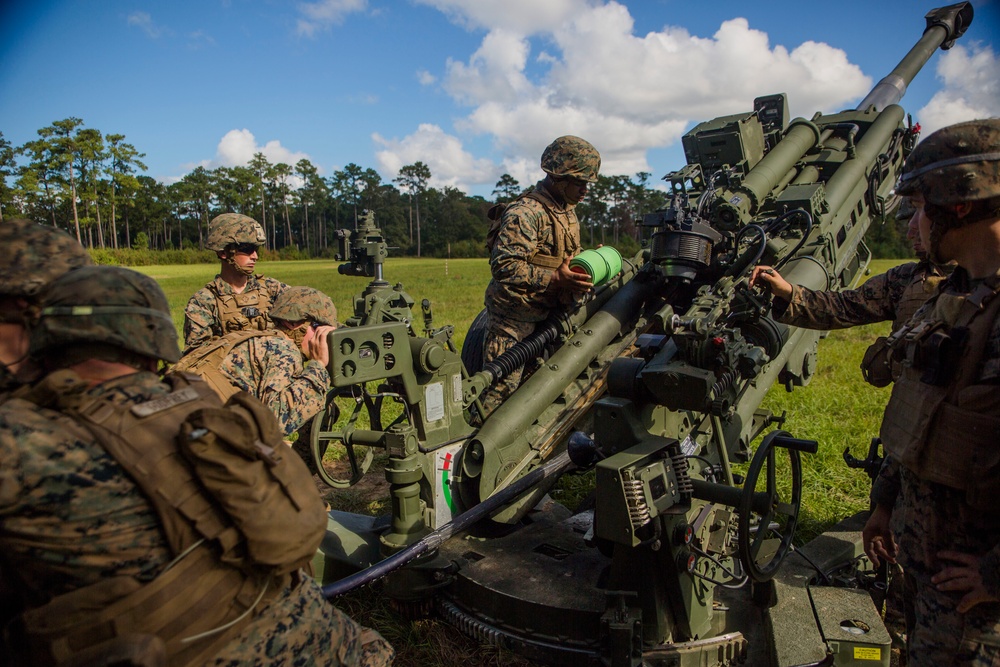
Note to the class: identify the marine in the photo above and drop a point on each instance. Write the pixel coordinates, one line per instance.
(935, 497)
(237, 299)
(894, 295)
(33, 255)
(531, 242)
(285, 368)
(127, 530)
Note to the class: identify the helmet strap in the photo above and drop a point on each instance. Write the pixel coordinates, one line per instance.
(230, 259)
(298, 334)
(937, 233)
(557, 188)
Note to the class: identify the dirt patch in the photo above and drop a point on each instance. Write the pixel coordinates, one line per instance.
(369, 496)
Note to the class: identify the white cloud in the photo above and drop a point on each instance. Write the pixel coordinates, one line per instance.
(525, 17)
(495, 71)
(144, 22)
(322, 14)
(426, 78)
(237, 148)
(624, 92)
(449, 163)
(971, 90)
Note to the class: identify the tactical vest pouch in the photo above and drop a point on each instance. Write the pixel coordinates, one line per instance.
(877, 364)
(971, 430)
(264, 487)
(907, 421)
(244, 311)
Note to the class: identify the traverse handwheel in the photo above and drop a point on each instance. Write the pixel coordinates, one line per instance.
(768, 515)
(322, 436)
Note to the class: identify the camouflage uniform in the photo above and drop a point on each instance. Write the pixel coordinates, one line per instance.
(217, 308)
(940, 431)
(272, 369)
(72, 517)
(33, 256)
(535, 234)
(201, 316)
(928, 517)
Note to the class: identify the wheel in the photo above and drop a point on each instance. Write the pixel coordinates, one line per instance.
(472, 347)
(767, 518)
(322, 436)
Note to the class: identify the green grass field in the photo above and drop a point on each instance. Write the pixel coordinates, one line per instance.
(838, 409)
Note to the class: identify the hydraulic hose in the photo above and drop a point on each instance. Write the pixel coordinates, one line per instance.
(555, 466)
(522, 352)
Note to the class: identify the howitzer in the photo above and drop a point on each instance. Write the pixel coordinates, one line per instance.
(656, 383)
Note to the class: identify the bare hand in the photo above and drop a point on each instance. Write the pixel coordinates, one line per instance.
(962, 577)
(780, 287)
(315, 347)
(565, 279)
(877, 538)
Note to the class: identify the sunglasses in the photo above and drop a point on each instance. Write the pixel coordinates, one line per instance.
(246, 248)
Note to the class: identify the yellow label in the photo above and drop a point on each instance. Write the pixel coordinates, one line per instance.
(867, 653)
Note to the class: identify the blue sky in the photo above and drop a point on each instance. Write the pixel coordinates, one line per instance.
(473, 88)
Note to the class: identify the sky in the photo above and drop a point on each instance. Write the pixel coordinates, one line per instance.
(472, 88)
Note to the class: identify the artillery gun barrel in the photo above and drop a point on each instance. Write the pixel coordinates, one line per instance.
(500, 444)
(944, 26)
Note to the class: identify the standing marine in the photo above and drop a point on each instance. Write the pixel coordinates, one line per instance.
(935, 497)
(237, 300)
(531, 242)
(131, 522)
(285, 368)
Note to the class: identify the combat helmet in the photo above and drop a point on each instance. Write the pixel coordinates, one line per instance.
(34, 255)
(110, 305)
(572, 157)
(231, 228)
(297, 304)
(959, 163)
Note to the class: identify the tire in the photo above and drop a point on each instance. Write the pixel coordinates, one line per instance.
(472, 346)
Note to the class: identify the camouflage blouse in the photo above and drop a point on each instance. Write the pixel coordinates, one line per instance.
(202, 320)
(879, 299)
(519, 289)
(271, 368)
(70, 516)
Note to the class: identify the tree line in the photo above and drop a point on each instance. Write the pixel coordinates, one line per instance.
(93, 185)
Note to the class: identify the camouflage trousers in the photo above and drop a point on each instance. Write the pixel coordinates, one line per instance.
(302, 629)
(929, 518)
(942, 636)
(501, 335)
